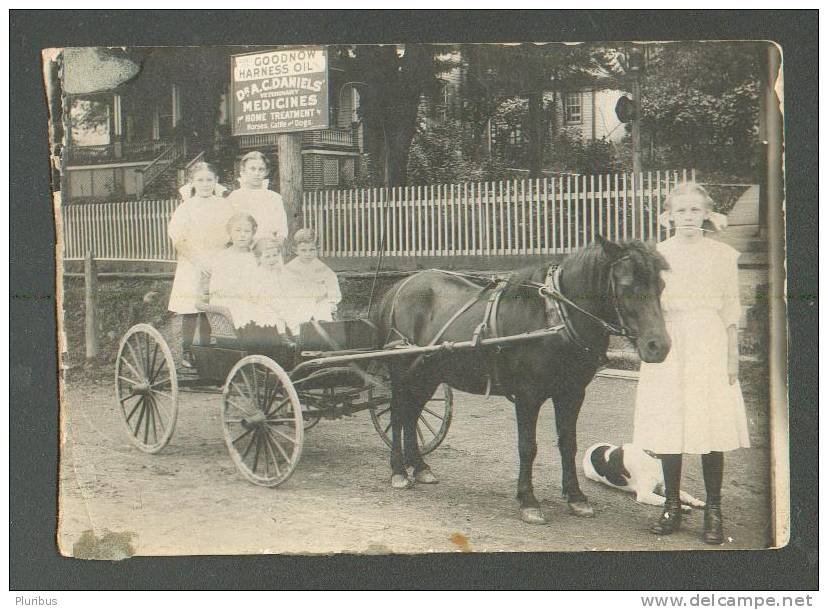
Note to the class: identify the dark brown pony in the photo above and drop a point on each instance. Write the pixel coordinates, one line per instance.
(615, 286)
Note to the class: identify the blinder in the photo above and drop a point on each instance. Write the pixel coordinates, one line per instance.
(555, 301)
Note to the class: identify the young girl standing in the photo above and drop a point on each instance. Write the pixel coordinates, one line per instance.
(692, 402)
(256, 199)
(198, 232)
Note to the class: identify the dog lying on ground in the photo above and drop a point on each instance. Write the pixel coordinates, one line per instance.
(631, 469)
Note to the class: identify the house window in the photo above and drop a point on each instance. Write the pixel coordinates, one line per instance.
(91, 121)
(516, 136)
(166, 114)
(330, 172)
(354, 105)
(348, 172)
(572, 107)
(441, 101)
(99, 184)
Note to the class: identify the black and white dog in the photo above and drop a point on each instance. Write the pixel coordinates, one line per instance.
(631, 469)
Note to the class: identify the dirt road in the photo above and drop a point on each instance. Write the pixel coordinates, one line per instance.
(189, 499)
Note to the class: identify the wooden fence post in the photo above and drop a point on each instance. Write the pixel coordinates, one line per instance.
(90, 300)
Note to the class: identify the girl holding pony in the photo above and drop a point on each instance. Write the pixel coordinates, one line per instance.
(692, 402)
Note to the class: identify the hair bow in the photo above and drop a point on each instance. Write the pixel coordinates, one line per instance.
(716, 220)
(188, 190)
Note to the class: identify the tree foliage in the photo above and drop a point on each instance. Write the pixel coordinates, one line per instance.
(511, 82)
(442, 153)
(392, 80)
(700, 106)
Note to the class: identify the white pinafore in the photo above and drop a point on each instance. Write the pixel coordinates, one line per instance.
(202, 222)
(686, 403)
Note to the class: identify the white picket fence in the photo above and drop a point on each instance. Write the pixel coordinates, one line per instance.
(513, 217)
(123, 231)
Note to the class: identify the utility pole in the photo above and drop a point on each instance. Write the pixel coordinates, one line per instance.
(635, 62)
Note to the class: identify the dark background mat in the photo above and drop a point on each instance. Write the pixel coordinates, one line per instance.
(33, 444)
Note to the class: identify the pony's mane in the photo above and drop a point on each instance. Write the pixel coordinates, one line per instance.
(646, 259)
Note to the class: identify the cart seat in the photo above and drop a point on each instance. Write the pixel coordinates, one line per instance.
(215, 330)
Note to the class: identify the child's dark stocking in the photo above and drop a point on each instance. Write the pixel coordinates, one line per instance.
(713, 469)
(670, 518)
(189, 321)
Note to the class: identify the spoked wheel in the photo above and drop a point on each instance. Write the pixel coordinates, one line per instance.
(262, 421)
(432, 426)
(146, 388)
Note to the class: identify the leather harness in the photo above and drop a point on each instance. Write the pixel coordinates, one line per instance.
(558, 319)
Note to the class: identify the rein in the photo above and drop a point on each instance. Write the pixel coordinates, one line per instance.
(549, 291)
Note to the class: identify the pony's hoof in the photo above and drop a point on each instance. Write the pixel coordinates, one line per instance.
(532, 515)
(400, 481)
(426, 476)
(581, 508)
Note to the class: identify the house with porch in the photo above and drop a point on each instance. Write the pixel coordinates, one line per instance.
(581, 106)
(136, 139)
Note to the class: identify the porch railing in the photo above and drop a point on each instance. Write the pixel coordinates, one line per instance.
(161, 164)
(335, 136)
(144, 150)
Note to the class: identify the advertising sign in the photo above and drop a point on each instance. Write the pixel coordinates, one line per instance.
(279, 91)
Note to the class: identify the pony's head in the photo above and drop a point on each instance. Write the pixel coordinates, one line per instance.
(635, 285)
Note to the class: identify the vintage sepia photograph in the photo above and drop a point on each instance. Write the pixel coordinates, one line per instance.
(416, 298)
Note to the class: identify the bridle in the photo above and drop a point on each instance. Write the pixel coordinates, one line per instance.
(551, 293)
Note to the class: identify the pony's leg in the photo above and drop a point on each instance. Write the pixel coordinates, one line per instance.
(567, 407)
(417, 399)
(526, 413)
(399, 477)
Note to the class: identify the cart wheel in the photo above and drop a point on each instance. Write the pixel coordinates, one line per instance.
(313, 399)
(262, 421)
(311, 420)
(434, 420)
(146, 388)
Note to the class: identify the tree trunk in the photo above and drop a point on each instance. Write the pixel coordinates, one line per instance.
(399, 147)
(290, 177)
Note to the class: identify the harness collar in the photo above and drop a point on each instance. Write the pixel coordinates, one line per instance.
(557, 314)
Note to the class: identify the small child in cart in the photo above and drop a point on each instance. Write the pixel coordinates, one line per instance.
(268, 291)
(311, 288)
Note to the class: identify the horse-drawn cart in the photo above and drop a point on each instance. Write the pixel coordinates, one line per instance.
(268, 400)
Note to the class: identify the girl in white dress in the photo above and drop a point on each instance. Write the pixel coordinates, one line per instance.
(256, 199)
(692, 402)
(198, 232)
(226, 288)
